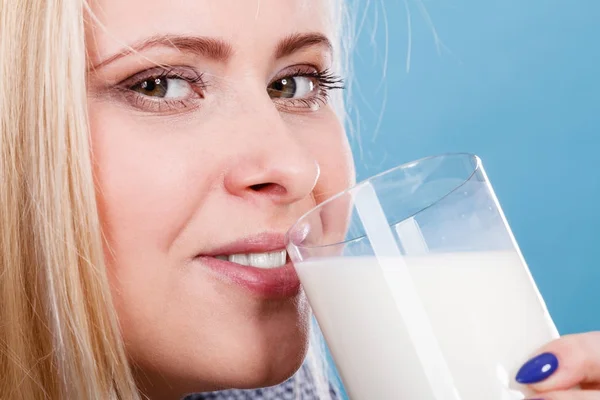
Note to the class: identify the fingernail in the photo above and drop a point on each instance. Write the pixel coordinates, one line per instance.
(537, 369)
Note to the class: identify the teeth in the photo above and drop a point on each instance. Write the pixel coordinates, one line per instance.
(259, 260)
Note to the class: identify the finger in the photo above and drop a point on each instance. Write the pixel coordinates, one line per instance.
(564, 364)
(571, 395)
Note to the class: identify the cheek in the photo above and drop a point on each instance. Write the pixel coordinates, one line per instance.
(147, 185)
(329, 144)
(150, 178)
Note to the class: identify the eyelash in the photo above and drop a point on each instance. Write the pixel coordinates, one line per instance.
(325, 79)
(147, 103)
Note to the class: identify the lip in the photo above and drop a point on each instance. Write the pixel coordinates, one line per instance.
(272, 283)
(261, 243)
(268, 283)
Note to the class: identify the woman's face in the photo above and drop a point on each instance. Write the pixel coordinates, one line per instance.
(210, 140)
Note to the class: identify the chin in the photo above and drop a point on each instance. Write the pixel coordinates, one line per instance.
(249, 345)
(248, 372)
(269, 348)
(270, 366)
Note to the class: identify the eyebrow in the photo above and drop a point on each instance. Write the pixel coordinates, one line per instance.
(217, 49)
(299, 41)
(212, 48)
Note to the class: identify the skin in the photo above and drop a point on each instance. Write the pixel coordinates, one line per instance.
(578, 375)
(177, 181)
(178, 178)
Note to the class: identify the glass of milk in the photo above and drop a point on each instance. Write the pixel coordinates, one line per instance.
(419, 286)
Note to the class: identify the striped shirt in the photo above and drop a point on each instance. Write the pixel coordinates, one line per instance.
(298, 387)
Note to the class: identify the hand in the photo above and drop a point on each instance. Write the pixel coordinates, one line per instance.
(566, 369)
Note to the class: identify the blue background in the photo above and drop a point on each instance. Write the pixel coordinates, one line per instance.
(515, 82)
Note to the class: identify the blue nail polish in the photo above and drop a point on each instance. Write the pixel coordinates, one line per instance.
(537, 369)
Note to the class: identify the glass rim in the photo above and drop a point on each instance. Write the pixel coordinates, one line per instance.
(466, 155)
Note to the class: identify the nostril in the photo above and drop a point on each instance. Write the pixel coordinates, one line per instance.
(269, 187)
(261, 186)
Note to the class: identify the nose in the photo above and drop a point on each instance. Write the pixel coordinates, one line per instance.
(283, 174)
(274, 165)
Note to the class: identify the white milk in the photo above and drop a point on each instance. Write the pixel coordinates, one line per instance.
(485, 311)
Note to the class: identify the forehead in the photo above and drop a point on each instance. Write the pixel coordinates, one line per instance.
(245, 24)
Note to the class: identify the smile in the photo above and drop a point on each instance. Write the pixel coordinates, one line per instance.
(274, 259)
(259, 264)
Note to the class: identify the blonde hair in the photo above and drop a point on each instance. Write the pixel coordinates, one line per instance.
(59, 333)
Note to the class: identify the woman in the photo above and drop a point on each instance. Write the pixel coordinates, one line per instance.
(142, 260)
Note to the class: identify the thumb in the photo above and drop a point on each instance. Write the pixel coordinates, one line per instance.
(564, 363)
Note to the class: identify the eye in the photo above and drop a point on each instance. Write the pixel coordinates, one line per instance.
(303, 88)
(164, 88)
(294, 87)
